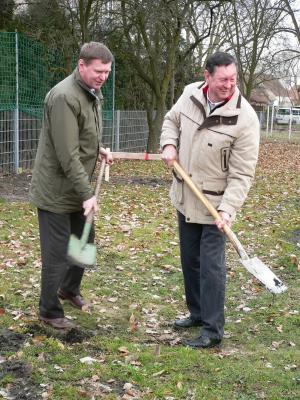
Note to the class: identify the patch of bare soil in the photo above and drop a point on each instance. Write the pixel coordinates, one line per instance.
(74, 335)
(137, 180)
(22, 387)
(15, 187)
(10, 341)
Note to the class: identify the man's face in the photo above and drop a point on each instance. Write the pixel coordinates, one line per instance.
(95, 73)
(222, 82)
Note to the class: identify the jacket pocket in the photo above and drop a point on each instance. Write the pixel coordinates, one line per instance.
(177, 191)
(225, 151)
(213, 190)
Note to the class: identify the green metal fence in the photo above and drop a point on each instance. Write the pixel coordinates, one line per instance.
(27, 72)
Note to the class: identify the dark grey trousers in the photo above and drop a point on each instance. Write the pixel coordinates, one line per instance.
(57, 272)
(202, 250)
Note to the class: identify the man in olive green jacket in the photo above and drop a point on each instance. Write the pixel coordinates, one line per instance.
(214, 133)
(69, 146)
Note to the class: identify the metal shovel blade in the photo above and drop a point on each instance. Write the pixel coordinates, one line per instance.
(81, 254)
(263, 273)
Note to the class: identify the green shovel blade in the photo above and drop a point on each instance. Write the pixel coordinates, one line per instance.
(81, 254)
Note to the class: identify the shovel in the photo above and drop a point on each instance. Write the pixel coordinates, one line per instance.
(254, 265)
(80, 252)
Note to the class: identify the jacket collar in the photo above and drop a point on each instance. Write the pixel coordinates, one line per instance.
(229, 109)
(92, 93)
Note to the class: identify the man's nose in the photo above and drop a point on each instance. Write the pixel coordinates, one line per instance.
(103, 76)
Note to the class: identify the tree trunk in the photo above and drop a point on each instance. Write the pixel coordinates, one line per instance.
(155, 123)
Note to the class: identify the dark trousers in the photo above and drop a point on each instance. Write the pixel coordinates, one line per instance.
(202, 250)
(57, 272)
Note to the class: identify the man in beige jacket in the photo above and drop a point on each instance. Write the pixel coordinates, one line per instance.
(214, 133)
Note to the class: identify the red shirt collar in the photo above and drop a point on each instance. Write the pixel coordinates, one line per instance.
(205, 91)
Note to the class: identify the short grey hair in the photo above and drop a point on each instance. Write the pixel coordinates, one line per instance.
(219, 59)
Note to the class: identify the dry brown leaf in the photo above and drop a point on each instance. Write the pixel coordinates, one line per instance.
(39, 339)
(123, 350)
(133, 323)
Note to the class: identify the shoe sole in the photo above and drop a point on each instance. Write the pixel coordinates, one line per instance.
(57, 327)
(217, 345)
(186, 327)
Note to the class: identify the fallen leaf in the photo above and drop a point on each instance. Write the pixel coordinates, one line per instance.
(123, 350)
(133, 323)
(161, 372)
(127, 386)
(88, 360)
(112, 299)
(179, 385)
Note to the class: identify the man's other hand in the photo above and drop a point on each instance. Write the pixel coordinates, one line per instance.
(169, 155)
(107, 155)
(90, 205)
(225, 219)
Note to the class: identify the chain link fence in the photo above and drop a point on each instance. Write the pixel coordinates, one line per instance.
(123, 131)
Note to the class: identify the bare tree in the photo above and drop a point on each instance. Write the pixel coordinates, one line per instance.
(294, 13)
(253, 39)
(6, 16)
(156, 46)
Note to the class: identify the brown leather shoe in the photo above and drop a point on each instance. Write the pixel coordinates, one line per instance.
(57, 323)
(76, 301)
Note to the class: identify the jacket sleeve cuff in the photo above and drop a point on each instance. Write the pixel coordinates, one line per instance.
(228, 209)
(88, 195)
(169, 141)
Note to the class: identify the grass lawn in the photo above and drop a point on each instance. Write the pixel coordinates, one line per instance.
(124, 346)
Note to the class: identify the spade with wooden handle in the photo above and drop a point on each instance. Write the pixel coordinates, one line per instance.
(80, 252)
(254, 265)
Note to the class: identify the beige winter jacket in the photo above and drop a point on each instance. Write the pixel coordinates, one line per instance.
(219, 151)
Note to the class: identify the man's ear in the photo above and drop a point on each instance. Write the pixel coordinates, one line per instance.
(80, 64)
(206, 75)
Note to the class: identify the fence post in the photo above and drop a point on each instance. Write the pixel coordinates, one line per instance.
(290, 123)
(268, 116)
(16, 111)
(117, 128)
(272, 120)
(113, 110)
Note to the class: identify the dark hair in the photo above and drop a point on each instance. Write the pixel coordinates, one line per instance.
(219, 59)
(95, 50)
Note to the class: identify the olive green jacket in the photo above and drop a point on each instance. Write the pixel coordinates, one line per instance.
(68, 147)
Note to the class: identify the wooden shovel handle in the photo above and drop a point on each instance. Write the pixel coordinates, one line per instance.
(90, 217)
(231, 236)
(100, 177)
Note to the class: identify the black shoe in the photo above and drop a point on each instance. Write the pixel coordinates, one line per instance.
(202, 342)
(188, 322)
